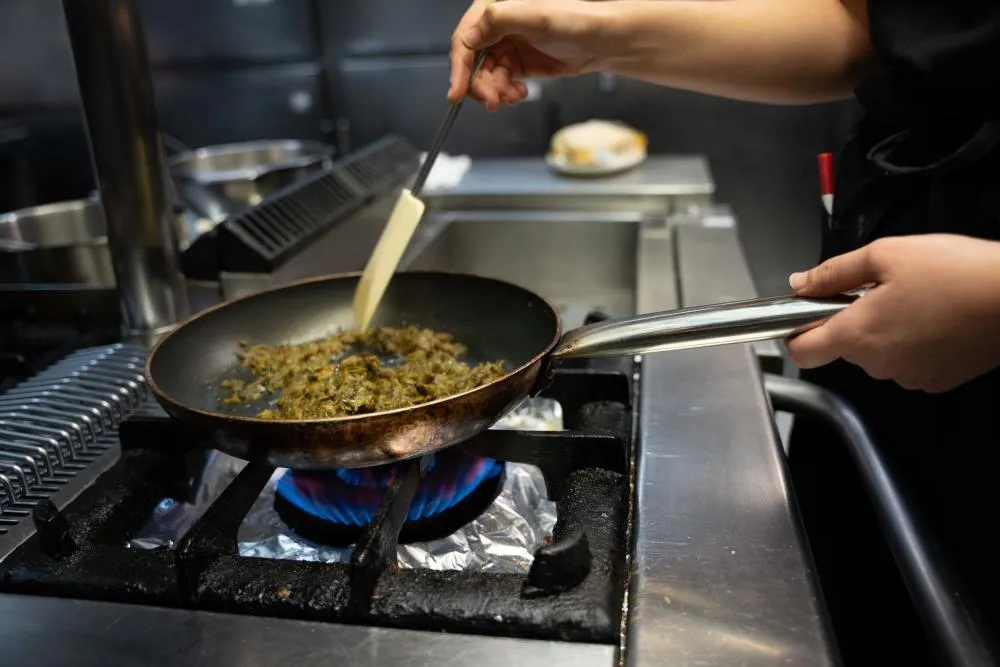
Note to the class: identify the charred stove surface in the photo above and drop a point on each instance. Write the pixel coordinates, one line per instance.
(78, 553)
(574, 592)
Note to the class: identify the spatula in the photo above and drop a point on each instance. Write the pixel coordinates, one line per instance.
(402, 223)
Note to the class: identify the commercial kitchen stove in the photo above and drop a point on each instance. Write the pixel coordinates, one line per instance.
(674, 541)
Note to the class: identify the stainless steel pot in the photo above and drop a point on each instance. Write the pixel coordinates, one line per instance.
(64, 242)
(218, 181)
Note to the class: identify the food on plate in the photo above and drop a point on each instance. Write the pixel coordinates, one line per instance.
(596, 143)
(353, 373)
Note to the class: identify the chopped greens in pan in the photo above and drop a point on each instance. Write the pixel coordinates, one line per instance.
(353, 373)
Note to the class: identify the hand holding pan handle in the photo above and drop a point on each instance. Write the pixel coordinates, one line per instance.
(702, 326)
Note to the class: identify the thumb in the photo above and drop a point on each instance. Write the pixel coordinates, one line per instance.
(836, 275)
(816, 347)
(502, 19)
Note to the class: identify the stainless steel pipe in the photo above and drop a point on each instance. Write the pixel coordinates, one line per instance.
(955, 627)
(112, 68)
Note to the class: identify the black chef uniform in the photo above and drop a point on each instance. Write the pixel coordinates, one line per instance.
(925, 158)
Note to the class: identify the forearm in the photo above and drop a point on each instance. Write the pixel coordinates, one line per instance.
(774, 51)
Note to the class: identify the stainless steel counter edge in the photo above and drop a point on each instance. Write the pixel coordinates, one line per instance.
(661, 175)
(45, 632)
(721, 574)
(713, 269)
(662, 182)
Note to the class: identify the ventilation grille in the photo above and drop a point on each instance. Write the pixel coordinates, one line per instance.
(382, 165)
(263, 238)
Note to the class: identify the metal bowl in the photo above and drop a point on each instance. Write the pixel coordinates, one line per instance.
(64, 242)
(218, 181)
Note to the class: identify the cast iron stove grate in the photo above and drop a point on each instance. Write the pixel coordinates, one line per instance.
(573, 591)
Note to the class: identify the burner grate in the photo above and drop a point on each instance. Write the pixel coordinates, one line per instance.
(60, 422)
(572, 592)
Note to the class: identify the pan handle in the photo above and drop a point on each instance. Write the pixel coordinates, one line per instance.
(702, 326)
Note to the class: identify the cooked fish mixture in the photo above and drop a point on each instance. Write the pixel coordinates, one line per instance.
(352, 373)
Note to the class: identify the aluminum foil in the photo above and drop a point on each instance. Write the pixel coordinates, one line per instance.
(502, 539)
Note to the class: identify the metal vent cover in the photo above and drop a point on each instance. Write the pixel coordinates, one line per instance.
(382, 165)
(264, 237)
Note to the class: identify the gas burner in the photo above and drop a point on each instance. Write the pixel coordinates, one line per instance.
(334, 507)
(572, 590)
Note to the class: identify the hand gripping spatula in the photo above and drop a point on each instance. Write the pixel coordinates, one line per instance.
(402, 223)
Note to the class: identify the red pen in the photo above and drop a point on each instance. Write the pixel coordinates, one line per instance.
(825, 162)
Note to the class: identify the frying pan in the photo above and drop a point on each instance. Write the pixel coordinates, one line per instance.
(495, 319)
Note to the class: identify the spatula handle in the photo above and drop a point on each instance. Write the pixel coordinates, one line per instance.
(442, 133)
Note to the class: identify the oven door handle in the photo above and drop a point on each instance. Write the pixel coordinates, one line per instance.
(954, 626)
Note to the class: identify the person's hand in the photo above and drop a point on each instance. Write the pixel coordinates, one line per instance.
(527, 38)
(932, 321)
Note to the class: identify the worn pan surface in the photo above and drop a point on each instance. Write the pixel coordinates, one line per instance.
(496, 320)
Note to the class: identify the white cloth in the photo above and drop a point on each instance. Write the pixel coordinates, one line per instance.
(447, 172)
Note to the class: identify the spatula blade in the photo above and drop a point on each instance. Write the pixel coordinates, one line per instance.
(388, 251)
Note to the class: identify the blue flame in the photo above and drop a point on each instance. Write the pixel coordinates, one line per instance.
(353, 496)
(379, 477)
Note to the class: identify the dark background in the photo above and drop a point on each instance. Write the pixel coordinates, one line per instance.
(350, 71)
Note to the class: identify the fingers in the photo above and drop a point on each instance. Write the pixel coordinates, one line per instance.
(843, 335)
(503, 19)
(836, 275)
(485, 25)
(501, 80)
(816, 347)
(494, 87)
(847, 335)
(521, 90)
(462, 57)
(487, 90)
(508, 70)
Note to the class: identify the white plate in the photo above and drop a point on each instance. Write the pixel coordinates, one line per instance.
(612, 165)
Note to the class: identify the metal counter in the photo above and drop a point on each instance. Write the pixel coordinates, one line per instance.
(660, 184)
(722, 575)
(48, 632)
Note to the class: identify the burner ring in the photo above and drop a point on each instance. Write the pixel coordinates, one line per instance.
(437, 525)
